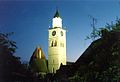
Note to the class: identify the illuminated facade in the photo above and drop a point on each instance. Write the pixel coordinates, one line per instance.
(56, 44)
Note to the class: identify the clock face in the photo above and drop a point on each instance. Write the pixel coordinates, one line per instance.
(54, 33)
(61, 33)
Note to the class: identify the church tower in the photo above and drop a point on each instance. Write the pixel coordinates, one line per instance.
(56, 44)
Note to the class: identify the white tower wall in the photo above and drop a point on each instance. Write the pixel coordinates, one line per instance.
(56, 45)
(57, 22)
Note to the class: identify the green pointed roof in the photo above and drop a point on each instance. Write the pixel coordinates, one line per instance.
(38, 62)
(57, 14)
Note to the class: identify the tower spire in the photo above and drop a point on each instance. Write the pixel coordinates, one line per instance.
(57, 14)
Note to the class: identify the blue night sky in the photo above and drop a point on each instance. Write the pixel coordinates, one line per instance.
(30, 20)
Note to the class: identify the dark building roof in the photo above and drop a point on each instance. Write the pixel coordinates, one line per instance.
(57, 14)
(70, 63)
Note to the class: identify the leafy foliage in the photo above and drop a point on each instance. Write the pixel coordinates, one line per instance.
(98, 33)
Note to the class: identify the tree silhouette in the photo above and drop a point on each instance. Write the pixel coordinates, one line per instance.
(11, 68)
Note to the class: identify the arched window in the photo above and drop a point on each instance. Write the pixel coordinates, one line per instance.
(55, 43)
(61, 44)
(52, 44)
